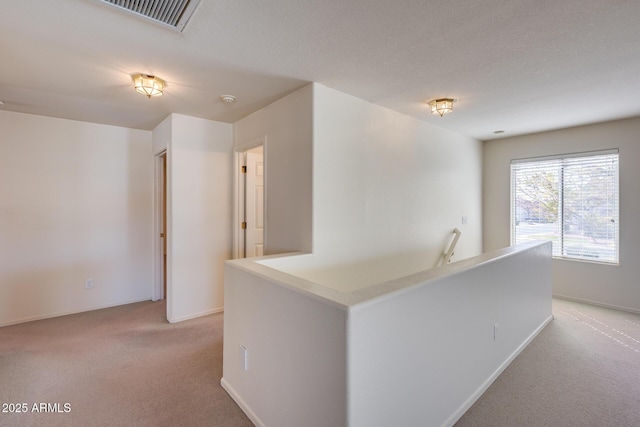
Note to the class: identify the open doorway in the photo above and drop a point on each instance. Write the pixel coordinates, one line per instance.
(250, 235)
(160, 228)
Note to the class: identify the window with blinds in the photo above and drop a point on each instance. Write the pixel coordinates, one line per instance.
(571, 200)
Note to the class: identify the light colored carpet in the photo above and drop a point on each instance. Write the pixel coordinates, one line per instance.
(121, 366)
(126, 366)
(582, 370)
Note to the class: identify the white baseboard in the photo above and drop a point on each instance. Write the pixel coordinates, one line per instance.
(599, 304)
(241, 403)
(66, 313)
(475, 396)
(194, 315)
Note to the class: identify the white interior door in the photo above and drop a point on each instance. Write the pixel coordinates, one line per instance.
(254, 205)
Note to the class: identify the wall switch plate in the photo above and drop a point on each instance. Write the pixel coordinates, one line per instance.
(88, 284)
(495, 331)
(464, 220)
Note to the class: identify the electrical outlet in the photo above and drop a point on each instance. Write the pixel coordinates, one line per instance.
(88, 284)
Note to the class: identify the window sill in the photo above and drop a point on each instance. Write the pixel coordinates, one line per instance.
(588, 261)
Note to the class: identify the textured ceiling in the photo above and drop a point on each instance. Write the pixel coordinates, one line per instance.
(513, 65)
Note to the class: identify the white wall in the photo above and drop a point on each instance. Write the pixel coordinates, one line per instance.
(385, 183)
(287, 126)
(75, 204)
(422, 357)
(350, 180)
(199, 201)
(296, 353)
(604, 284)
(161, 136)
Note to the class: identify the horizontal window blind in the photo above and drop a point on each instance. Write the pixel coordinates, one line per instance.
(572, 201)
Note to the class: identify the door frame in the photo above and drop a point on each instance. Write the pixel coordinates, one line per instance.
(239, 193)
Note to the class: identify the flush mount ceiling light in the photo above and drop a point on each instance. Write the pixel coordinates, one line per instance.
(148, 85)
(442, 106)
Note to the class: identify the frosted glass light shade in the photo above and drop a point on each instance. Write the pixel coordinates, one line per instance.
(440, 107)
(148, 85)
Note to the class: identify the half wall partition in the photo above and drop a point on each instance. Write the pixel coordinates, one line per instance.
(412, 350)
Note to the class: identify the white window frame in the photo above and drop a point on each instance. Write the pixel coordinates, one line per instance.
(562, 158)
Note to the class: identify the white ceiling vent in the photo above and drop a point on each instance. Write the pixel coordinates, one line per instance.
(174, 13)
